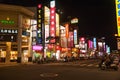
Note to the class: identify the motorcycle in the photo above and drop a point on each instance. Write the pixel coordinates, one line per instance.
(113, 65)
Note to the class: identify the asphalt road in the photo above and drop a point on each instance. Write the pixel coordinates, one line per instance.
(55, 72)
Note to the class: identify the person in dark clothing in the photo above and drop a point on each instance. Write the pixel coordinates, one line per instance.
(102, 60)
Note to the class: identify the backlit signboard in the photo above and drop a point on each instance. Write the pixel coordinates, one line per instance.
(57, 25)
(34, 31)
(117, 2)
(75, 36)
(95, 43)
(7, 21)
(37, 47)
(47, 22)
(52, 21)
(90, 44)
(70, 40)
(67, 30)
(39, 24)
(75, 20)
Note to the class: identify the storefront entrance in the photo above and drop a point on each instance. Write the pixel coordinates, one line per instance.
(8, 53)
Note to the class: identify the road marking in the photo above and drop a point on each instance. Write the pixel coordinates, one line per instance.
(90, 65)
(83, 64)
(48, 75)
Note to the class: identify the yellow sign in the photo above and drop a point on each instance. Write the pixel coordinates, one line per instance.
(117, 2)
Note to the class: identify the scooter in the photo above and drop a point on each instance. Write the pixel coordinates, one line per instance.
(114, 65)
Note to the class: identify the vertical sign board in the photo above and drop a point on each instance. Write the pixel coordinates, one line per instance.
(118, 43)
(52, 21)
(57, 25)
(39, 24)
(95, 43)
(117, 2)
(46, 22)
(75, 37)
(67, 30)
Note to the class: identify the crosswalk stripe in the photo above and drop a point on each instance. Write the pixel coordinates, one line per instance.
(83, 65)
(90, 65)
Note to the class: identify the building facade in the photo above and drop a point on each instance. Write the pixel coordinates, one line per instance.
(15, 37)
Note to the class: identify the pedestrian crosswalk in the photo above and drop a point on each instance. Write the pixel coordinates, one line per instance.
(89, 65)
(75, 64)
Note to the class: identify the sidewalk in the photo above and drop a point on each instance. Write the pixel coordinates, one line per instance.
(14, 64)
(8, 64)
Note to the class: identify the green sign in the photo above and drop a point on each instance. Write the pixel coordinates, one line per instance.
(7, 22)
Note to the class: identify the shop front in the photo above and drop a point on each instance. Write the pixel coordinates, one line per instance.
(14, 42)
(38, 55)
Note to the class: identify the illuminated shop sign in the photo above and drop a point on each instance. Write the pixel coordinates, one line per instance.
(75, 20)
(94, 42)
(57, 25)
(90, 44)
(34, 31)
(67, 30)
(39, 24)
(52, 21)
(7, 21)
(75, 36)
(118, 15)
(47, 22)
(70, 40)
(82, 43)
(37, 47)
(9, 31)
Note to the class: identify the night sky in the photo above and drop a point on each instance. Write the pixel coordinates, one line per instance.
(96, 17)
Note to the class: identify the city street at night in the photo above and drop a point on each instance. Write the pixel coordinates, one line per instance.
(56, 71)
(59, 40)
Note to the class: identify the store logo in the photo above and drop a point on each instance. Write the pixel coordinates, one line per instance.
(7, 21)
